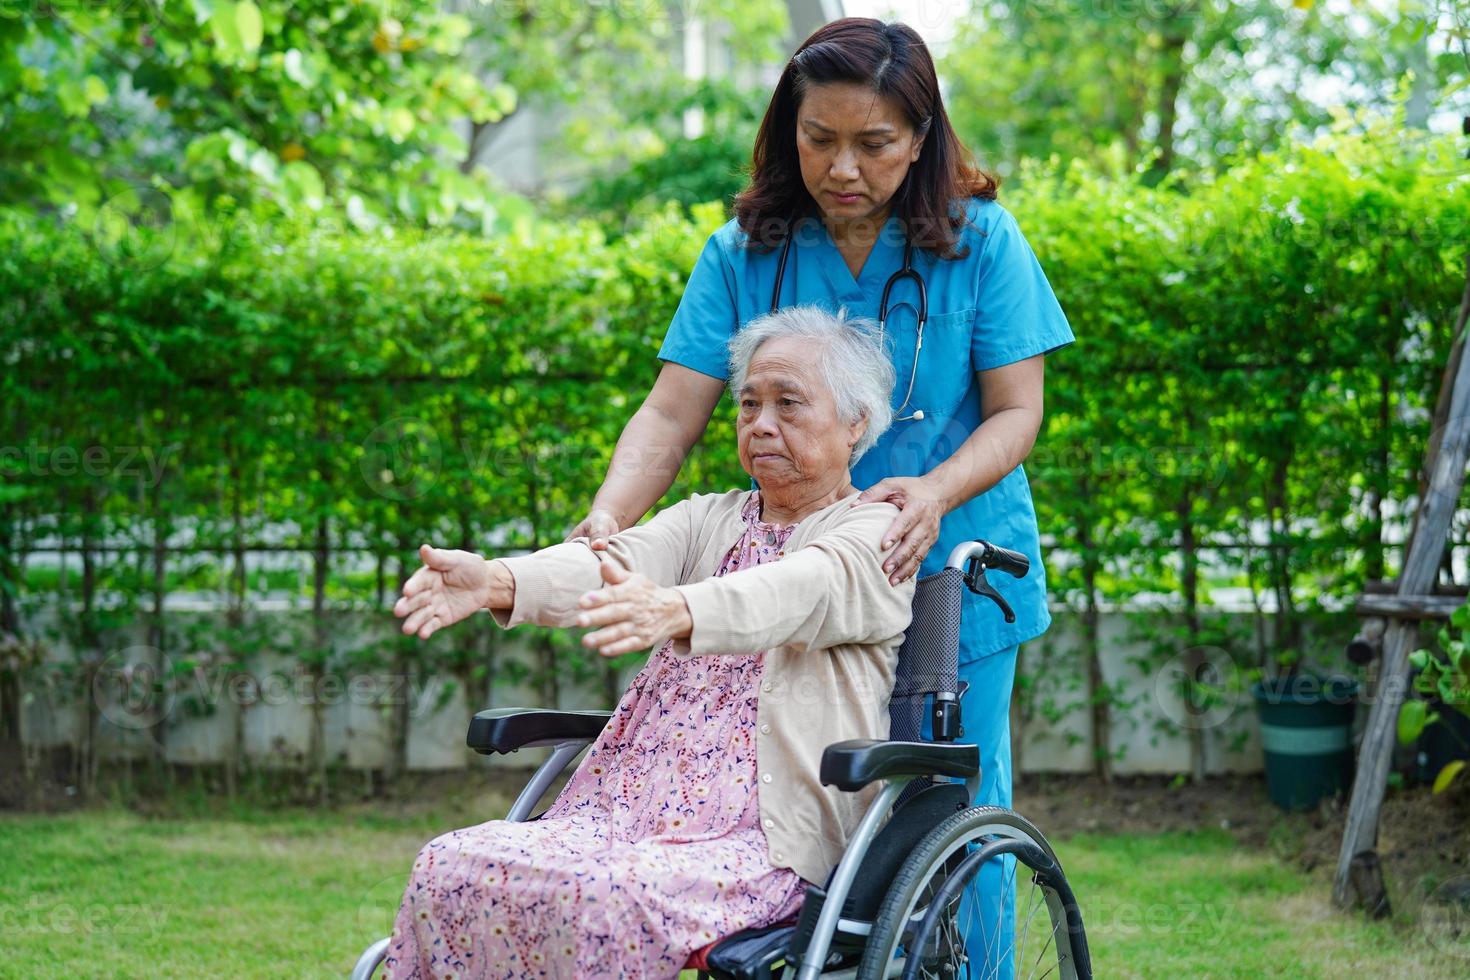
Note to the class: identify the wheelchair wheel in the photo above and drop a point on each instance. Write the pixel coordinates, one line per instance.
(934, 904)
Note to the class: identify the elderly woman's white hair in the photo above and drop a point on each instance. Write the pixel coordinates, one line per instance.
(849, 357)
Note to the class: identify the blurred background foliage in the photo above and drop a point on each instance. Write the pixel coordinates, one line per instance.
(377, 111)
(1192, 84)
(381, 111)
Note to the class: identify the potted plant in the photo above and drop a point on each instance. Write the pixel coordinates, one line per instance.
(1438, 721)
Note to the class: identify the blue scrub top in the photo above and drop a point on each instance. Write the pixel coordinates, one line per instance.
(991, 308)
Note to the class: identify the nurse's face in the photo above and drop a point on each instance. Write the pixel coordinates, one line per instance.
(856, 147)
(790, 437)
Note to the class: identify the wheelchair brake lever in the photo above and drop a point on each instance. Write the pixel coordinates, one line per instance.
(978, 584)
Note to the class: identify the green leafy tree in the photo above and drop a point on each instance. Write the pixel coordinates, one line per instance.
(214, 102)
(712, 166)
(1183, 82)
(636, 123)
(376, 111)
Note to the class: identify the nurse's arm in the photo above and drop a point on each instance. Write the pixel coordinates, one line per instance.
(1011, 400)
(652, 447)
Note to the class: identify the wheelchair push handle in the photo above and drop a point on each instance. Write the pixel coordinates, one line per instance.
(973, 558)
(985, 555)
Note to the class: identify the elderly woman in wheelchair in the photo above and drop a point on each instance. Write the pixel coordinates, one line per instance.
(747, 754)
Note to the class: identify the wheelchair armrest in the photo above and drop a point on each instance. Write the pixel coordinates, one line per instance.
(853, 764)
(508, 729)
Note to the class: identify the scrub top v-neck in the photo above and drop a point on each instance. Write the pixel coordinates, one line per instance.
(991, 308)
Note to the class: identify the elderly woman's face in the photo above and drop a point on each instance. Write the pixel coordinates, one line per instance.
(856, 147)
(788, 429)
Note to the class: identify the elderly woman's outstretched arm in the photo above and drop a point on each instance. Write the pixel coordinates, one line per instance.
(834, 590)
(550, 583)
(831, 591)
(545, 586)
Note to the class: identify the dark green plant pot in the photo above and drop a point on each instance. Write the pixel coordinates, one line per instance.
(1306, 730)
(1442, 742)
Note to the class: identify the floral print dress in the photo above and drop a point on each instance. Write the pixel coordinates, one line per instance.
(652, 851)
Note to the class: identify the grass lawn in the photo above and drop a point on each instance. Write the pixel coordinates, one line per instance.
(269, 894)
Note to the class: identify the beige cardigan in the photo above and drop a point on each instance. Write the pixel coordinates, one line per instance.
(825, 613)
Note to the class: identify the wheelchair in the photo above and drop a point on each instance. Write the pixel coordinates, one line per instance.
(904, 897)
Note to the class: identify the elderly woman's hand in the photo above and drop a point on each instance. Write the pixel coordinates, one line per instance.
(916, 528)
(632, 612)
(449, 587)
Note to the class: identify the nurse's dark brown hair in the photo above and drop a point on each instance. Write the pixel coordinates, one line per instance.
(893, 61)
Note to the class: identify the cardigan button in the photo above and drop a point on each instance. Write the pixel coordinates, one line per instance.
(766, 778)
(778, 855)
(769, 823)
(767, 687)
(765, 729)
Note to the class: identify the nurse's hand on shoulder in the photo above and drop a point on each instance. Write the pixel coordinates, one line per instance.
(916, 528)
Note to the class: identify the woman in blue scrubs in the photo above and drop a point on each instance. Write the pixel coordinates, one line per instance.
(855, 158)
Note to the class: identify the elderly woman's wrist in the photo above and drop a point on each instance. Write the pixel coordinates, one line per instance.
(500, 588)
(682, 621)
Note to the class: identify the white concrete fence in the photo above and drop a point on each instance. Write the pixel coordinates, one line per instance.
(276, 727)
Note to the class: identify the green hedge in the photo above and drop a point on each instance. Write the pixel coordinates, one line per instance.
(1263, 350)
(1249, 398)
(1256, 358)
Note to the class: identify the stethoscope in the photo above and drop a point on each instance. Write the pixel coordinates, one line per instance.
(907, 272)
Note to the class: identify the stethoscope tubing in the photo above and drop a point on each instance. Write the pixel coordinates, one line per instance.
(906, 272)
